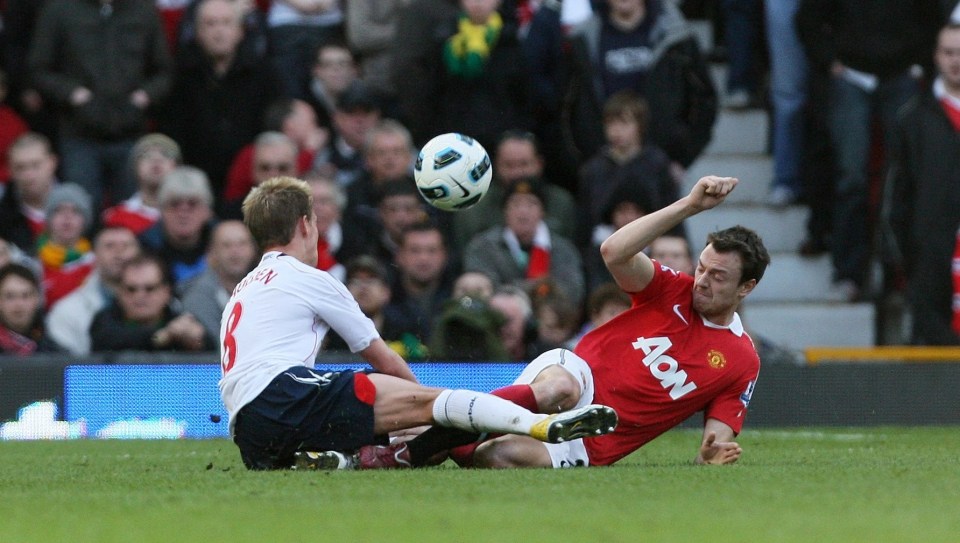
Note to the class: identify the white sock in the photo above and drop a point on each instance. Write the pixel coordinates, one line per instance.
(479, 412)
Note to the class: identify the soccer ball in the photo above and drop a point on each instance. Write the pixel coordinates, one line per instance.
(453, 172)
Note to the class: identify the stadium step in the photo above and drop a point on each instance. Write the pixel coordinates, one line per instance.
(792, 306)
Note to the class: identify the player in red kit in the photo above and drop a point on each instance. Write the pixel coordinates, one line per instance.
(681, 348)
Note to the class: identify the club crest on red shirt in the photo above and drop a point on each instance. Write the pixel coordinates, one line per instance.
(716, 359)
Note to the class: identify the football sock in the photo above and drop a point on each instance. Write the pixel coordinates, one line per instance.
(479, 412)
(442, 438)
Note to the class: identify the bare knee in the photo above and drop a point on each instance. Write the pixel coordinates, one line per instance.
(555, 390)
(511, 452)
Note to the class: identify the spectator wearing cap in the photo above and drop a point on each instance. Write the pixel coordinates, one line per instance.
(181, 236)
(230, 257)
(65, 254)
(220, 92)
(367, 280)
(153, 156)
(524, 249)
(357, 111)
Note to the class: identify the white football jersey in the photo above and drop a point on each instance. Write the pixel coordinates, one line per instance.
(275, 319)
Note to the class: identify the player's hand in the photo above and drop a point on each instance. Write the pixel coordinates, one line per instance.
(711, 190)
(718, 452)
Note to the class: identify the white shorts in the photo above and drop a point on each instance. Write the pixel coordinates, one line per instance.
(569, 454)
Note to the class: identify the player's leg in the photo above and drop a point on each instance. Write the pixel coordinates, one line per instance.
(507, 452)
(560, 381)
(401, 404)
(557, 380)
(522, 452)
(546, 385)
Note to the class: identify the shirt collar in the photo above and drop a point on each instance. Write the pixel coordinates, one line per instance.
(735, 326)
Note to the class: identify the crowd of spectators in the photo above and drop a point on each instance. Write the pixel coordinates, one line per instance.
(131, 131)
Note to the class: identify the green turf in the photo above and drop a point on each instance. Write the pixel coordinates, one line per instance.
(810, 485)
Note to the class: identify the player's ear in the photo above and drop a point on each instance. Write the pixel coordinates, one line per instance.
(747, 287)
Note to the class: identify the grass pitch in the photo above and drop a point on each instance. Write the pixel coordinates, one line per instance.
(810, 485)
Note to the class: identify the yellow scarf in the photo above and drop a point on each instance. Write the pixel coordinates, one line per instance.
(467, 51)
(54, 256)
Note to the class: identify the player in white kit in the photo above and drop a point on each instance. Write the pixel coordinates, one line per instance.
(272, 328)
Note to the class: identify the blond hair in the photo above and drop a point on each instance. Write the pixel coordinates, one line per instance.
(271, 210)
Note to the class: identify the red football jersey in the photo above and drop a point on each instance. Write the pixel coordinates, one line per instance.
(660, 362)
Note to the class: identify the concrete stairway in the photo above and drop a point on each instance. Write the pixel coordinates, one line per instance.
(790, 307)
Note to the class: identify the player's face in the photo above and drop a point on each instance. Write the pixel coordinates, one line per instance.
(19, 303)
(716, 288)
(947, 57)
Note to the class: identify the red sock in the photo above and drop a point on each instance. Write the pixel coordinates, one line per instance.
(521, 395)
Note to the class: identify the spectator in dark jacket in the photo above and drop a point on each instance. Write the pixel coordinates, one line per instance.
(646, 46)
(926, 200)
(103, 63)
(220, 93)
(479, 87)
(142, 318)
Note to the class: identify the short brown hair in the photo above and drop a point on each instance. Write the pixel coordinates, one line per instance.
(745, 242)
(271, 210)
(627, 104)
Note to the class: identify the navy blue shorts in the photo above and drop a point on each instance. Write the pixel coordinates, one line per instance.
(306, 409)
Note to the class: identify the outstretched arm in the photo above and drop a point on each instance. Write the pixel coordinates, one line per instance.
(622, 251)
(718, 446)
